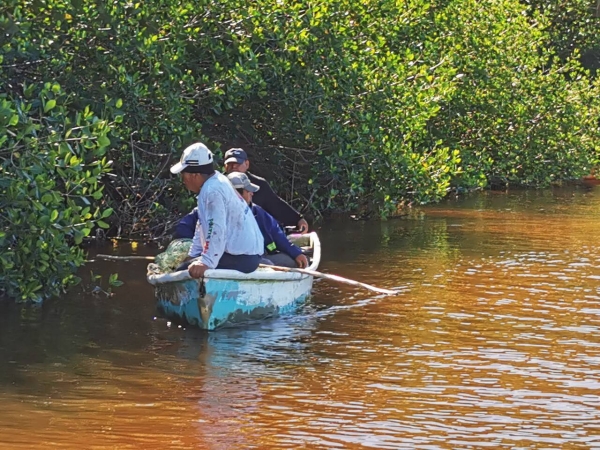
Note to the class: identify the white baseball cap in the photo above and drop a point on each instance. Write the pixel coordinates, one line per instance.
(195, 155)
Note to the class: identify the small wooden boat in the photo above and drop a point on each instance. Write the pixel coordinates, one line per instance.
(228, 297)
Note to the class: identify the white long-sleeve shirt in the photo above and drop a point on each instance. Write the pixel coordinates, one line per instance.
(225, 224)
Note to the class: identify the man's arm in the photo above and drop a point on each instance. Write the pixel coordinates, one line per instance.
(273, 204)
(214, 229)
(196, 248)
(281, 241)
(212, 215)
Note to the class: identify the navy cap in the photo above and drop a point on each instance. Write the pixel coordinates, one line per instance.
(235, 155)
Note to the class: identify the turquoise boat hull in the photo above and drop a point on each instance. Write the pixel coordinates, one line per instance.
(228, 297)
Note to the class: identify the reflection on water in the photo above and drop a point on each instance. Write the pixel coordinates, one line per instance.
(493, 343)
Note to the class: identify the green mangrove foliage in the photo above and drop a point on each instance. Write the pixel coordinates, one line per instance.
(120, 59)
(51, 161)
(350, 94)
(572, 26)
(348, 106)
(518, 115)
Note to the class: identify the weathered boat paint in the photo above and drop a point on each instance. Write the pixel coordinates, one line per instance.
(227, 297)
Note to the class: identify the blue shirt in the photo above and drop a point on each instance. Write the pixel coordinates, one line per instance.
(275, 238)
(186, 227)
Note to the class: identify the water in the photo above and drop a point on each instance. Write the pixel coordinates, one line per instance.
(492, 343)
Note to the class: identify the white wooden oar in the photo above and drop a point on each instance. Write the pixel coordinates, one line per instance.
(328, 276)
(313, 273)
(124, 258)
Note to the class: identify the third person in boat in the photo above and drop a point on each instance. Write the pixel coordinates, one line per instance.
(278, 249)
(236, 160)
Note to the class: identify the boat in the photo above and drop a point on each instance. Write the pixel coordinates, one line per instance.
(228, 297)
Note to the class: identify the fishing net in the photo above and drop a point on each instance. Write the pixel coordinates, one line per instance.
(172, 257)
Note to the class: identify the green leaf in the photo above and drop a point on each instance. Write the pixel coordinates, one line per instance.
(13, 120)
(50, 104)
(114, 281)
(53, 215)
(103, 141)
(119, 103)
(102, 224)
(107, 212)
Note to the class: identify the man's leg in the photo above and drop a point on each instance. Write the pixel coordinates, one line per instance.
(283, 260)
(242, 263)
(266, 261)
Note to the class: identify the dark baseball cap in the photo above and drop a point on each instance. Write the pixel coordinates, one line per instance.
(235, 155)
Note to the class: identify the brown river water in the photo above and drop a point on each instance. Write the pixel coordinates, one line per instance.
(493, 342)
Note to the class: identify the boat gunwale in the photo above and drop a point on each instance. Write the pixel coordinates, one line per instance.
(264, 274)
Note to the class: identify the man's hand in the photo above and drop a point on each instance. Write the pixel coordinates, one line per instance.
(197, 269)
(302, 226)
(302, 261)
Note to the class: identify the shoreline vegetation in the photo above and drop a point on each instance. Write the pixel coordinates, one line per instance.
(361, 108)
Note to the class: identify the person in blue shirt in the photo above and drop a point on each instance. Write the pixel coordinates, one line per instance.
(187, 225)
(278, 249)
(236, 160)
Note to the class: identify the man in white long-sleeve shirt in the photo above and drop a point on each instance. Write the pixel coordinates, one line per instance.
(227, 235)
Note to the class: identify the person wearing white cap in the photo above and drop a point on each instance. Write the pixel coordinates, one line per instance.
(227, 235)
(236, 160)
(278, 250)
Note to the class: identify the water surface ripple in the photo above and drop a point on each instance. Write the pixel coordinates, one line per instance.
(492, 343)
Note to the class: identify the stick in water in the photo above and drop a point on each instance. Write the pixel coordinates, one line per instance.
(313, 273)
(124, 258)
(337, 278)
